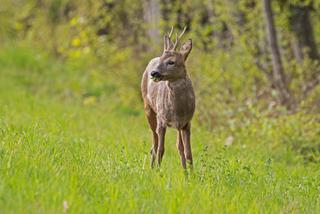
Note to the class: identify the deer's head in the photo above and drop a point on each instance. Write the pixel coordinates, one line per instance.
(171, 65)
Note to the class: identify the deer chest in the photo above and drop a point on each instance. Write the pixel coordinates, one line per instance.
(176, 105)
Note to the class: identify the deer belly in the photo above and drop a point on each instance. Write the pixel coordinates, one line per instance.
(173, 119)
(177, 125)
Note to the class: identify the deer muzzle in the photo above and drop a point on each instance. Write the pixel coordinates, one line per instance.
(156, 76)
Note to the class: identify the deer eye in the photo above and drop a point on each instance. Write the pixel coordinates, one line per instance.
(170, 62)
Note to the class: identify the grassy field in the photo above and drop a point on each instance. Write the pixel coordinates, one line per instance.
(62, 150)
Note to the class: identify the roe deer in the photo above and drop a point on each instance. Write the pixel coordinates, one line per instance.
(169, 99)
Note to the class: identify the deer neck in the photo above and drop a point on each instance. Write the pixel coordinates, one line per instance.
(177, 86)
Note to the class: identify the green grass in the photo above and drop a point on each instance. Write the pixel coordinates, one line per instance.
(64, 151)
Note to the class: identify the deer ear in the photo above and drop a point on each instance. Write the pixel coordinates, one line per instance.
(186, 49)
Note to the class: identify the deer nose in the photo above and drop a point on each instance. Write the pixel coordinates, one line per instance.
(155, 74)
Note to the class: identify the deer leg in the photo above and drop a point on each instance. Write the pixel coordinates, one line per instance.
(181, 149)
(161, 131)
(154, 149)
(152, 120)
(185, 133)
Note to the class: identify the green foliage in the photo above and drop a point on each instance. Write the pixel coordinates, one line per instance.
(229, 43)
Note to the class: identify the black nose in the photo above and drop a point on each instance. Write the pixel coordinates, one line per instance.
(155, 74)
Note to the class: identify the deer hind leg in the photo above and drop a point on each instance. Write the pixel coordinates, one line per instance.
(181, 149)
(185, 134)
(152, 120)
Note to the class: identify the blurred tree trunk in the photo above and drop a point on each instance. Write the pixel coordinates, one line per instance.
(176, 12)
(303, 42)
(207, 21)
(219, 29)
(55, 16)
(165, 9)
(302, 30)
(152, 16)
(278, 75)
(183, 14)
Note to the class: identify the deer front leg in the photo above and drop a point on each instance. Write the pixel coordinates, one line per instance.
(154, 148)
(185, 133)
(181, 149)
(152, 120)
(161, 131)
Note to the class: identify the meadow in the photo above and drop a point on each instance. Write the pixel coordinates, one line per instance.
(66, 151)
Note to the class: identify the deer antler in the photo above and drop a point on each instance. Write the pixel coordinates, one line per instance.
(179, 37)
(169, 42)
(171, 31)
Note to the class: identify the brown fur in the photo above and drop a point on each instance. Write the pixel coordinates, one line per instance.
(169, 101)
